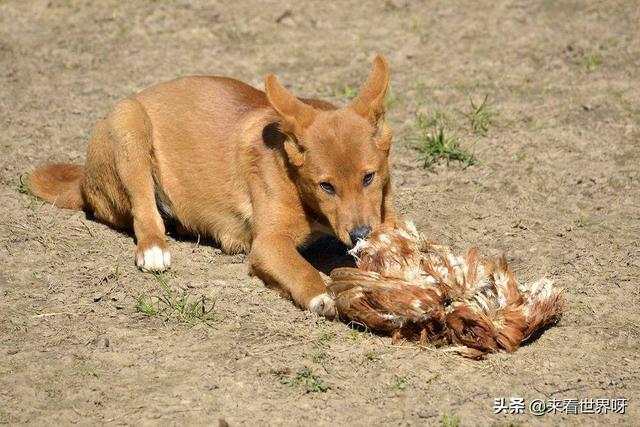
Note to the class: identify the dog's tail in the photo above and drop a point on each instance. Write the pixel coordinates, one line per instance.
(59, 184)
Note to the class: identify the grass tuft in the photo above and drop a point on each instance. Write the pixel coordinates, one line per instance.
(306, 379)
(357, 331)
(172, 305)
(327, 337)
(22, 186)
(372, 355)
(401, 382)
(146, 306)
(449, 421)
(591, 60)
(434, 144)
(480, 115)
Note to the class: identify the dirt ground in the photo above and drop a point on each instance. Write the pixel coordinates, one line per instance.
(557, 190)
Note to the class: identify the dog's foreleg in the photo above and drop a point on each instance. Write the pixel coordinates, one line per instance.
(275, 259)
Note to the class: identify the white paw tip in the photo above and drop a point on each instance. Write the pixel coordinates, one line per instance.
(323, 305)
(154, 259)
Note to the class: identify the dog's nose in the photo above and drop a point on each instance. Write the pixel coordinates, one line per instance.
(359, 232)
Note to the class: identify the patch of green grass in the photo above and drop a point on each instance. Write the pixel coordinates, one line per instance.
(147, 306)
(357, 331)
(355, 335)
(22, 186)
(480, 115)
(435, 144)
(449, 421)
(172, 305)
(306, 379)
(591, 60)
(347, 91)
(401, 382)
(372, 355)
(327, 337)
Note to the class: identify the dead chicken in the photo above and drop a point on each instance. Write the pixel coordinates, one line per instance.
(410, 288)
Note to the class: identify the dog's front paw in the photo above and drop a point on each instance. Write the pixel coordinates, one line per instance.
(153, 259)
(323, 305)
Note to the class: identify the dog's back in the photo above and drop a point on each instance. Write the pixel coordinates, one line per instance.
(198, 152)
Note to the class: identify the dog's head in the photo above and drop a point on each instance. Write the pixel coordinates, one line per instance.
(338, 158)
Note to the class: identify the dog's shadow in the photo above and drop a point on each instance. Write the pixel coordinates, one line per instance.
(324, 254)
(328, 253)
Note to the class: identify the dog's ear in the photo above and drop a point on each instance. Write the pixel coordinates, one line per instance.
(296, 116)
(370, 101)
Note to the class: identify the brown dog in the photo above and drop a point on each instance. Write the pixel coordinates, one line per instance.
(260, 172)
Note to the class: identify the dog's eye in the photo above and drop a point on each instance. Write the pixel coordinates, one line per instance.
(368, 178)
(328, 187)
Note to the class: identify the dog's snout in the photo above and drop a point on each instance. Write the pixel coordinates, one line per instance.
(359, 232)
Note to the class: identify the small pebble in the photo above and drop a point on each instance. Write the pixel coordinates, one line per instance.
(101, 342)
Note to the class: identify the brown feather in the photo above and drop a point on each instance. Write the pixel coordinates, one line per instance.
(411, 288)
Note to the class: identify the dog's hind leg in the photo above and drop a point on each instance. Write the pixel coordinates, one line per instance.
(130, 133)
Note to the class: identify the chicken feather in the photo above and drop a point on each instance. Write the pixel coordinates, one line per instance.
(411, 288)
